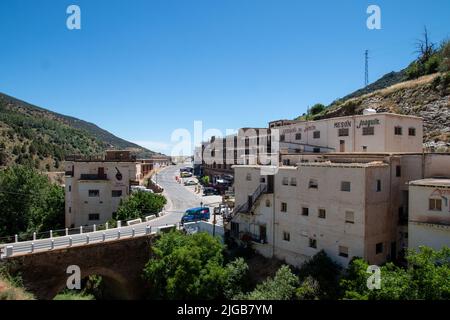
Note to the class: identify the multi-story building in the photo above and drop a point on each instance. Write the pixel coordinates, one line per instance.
(370, 132)
(348, 204)
(429, 213)
(95, 185)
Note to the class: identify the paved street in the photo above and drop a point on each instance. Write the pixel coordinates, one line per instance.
(179, 197)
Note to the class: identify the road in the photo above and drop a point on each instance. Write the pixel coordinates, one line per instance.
(180, 197)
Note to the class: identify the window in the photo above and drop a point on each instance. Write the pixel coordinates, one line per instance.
(313, 184)
(316, 134)
(249, 177)
(282, 137)
(70, 209)
(379, 248)
(285, 181)
(94, 216)
(286, 236)
(398, 131)
(116, 193)
(343, 132)
(286, 162)
(412, 131)
(267, 203)
(316, 150)
(283, 207)
(343, 251)
(262, 180)
(305, 211)
(345, 186)
(322, 213)
(70, 188)
(435, 204)
(368, 131)
(398, 171)
(364, 148)
(293, 181)
(94, 193)
(349, 217)
(378, 185)
(298, 136)
(312, 243)
(213, 153)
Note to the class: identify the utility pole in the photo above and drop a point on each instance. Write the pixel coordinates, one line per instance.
(366, 76)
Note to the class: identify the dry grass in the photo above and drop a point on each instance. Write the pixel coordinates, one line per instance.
(389, 90)
(9, 292)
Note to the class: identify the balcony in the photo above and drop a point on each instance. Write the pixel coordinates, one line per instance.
(91, 177)
(248, 236)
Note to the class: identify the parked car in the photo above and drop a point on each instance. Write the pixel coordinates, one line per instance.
(190, 183)
(209, 191)
(186, 174)
(196, 214)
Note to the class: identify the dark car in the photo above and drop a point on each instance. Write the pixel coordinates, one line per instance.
(209, 191)
(196, 214)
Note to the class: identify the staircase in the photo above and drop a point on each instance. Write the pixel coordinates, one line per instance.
(249, 206)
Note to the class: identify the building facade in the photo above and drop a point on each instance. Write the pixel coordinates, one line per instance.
(370, 132)
(95, 186)
(347, 204)
(429, 218)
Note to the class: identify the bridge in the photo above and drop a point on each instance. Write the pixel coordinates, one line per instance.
(118, 255)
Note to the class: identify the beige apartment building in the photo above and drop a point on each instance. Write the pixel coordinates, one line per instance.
(370, 132)
(347, 204)
(95, 185)
(429, 218)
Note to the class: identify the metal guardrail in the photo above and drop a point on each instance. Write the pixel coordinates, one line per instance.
(84, 236)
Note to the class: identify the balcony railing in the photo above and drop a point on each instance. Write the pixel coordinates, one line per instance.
(93, 176)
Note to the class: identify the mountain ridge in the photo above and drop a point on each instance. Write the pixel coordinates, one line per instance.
(39, 137)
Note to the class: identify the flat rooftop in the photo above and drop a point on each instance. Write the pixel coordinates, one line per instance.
(432, 182)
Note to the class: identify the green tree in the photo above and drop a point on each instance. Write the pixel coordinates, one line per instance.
(205, 180)
(317, 108)
(281, 287)
(29, 202)
(445, 57)
(325, 272)
(309, 289)
(187, 267)
(426, 277)
(236, 280)
(140, 203)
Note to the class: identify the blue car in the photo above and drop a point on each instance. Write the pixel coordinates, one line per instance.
(195, 214)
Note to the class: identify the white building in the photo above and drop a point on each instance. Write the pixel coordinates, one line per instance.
(429, 213)
(348, 204)
(95, 186)
(370, 132)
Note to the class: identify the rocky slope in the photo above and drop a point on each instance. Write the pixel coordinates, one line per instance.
(427, 97)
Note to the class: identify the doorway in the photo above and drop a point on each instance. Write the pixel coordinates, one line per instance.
(341, 145)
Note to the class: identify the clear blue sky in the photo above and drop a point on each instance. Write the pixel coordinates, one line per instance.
(141, 69)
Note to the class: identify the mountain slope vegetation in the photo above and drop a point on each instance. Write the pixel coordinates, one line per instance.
(33, 136)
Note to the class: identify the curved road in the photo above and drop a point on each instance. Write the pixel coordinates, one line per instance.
(179, 197)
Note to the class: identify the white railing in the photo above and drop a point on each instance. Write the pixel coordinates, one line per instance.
(82, 238)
